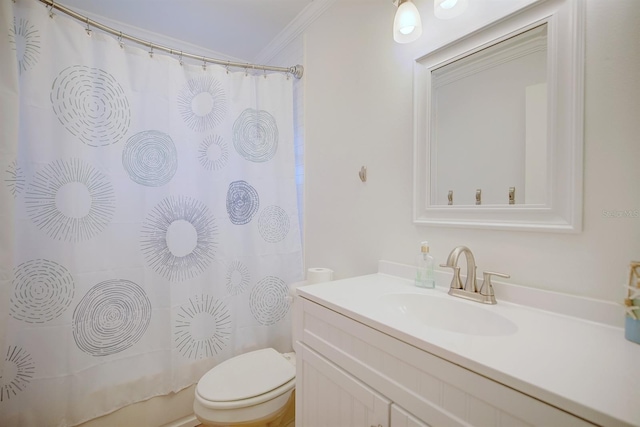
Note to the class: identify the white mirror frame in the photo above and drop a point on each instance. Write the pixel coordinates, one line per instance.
(565, 82)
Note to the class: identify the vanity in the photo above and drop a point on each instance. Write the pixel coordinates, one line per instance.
(377, 351)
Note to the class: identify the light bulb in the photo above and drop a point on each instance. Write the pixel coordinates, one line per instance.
(447, 9)
(407, 26)
(407, 30)
(448, 4)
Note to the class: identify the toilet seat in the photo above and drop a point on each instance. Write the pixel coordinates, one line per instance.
(246, 376)
(252, 401)
(247, 387)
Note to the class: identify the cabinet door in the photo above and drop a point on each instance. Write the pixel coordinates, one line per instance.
(401, 418)
(330, 397)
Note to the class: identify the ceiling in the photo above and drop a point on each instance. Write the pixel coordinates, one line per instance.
(236, 29)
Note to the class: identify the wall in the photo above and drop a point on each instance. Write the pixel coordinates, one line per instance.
(358, 111)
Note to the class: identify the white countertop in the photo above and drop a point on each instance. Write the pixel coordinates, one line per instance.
(586, 368)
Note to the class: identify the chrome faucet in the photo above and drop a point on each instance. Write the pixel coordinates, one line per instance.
(470, 290)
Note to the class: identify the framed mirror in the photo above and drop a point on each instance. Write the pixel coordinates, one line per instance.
(498, 138)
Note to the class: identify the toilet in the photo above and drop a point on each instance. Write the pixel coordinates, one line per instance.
(252, 389)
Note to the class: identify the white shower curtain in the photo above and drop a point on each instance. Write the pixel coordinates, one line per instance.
(149, 219)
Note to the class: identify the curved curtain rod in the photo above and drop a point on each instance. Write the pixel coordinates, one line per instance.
(296, 70)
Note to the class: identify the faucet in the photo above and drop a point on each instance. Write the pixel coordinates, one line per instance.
(452, 262)
(470, 290)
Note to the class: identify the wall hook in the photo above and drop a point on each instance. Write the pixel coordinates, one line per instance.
(363, 174)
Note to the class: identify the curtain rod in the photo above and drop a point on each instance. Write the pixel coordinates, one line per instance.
(296, 70)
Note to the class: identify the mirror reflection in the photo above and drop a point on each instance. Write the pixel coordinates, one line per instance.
(489, 125)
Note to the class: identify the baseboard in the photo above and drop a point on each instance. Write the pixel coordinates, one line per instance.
(188, 421)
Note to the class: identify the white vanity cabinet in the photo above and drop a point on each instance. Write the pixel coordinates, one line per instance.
(350, 374)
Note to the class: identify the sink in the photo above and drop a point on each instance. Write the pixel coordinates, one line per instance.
(448, 314)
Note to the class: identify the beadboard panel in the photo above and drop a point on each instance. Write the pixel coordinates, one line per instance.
(331, 397)
(431, 388)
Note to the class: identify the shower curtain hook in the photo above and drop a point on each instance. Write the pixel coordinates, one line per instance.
(246, 71)
(227, 66)
(88, 29)
(51, 6)
(151, 50)
(264, 72)
(180, 59)
(120, 41)
(204, 64)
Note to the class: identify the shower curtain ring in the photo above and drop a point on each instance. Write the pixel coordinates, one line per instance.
(120, 41)
(51, 6)
(151, 50)
(180, 59)
(227, 66)
(264, 72)
(204, 64)
(88, 29)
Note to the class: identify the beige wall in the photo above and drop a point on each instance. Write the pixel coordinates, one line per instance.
(358, 111)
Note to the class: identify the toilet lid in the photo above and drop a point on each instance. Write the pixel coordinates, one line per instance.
(246, 376)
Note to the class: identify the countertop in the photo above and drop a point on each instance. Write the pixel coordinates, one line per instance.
(586, 368)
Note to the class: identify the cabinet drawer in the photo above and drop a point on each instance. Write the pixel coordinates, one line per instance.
(436, 391)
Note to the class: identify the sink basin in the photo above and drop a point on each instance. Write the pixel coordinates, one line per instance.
(448, 314)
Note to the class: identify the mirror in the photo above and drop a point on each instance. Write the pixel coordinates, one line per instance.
(498, 124)
(489, 124)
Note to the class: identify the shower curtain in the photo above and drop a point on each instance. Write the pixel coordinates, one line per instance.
(149, 218)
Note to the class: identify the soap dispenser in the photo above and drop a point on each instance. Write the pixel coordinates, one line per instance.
(424, 268)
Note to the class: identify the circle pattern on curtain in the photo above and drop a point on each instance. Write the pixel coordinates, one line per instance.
(179, 238)
(24, 38)
(150, 158)
(15, 178)
(202, 327)
(273, 224)
(269, 301)
(91, 105)
(237, 278)
(213, 153)
(42, 291)
(17, 372)
(70, 200)
(255, 135)
(242, 202)
(202, 103)
(111, 317)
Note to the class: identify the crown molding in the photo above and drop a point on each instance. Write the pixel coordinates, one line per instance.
(293, 30)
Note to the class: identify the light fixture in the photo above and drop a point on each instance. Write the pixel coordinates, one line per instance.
(447, 9)
(407, 26)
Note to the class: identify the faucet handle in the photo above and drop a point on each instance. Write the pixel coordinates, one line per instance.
(456, 283)
(487, 288)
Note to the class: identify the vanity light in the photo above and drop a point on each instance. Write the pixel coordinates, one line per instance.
(447, 9)
(407, 26)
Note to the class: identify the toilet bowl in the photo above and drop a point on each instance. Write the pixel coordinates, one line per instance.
(252, 389)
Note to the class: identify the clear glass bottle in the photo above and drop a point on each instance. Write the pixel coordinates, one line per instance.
(424, 268)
